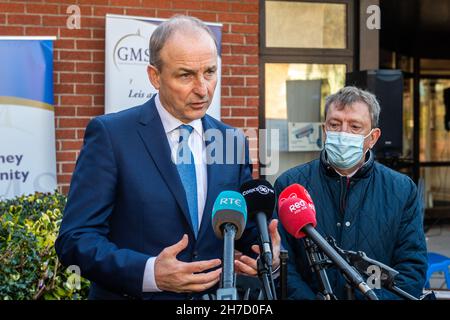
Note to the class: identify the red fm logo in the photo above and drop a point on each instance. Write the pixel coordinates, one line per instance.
(299, 205)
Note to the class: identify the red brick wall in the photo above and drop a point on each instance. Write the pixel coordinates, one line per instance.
(79, 58)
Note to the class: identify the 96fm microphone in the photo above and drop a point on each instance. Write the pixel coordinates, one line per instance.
(260, 198)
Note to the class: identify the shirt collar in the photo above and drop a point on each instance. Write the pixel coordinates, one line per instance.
(348, 175)
(170, 123)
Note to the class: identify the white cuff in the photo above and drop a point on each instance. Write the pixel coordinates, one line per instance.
(149, 283)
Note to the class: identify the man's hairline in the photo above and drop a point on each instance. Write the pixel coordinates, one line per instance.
(191, 30)
(344, 106)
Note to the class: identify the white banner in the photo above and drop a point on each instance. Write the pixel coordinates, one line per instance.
(27, 127)
(126, 59)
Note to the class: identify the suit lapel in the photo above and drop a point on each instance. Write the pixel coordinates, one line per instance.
(154, 138)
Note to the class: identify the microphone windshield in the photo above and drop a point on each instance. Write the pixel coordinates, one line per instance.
(296, 210)
(294, 191)
(229, 207)
(260, 197)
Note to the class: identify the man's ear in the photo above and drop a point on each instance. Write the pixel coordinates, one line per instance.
(153, 76)
(376, 133)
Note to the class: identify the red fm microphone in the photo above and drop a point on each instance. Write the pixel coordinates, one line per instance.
(303, 203)
(298, 216)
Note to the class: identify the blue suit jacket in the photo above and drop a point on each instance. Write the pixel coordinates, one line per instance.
(126, 203)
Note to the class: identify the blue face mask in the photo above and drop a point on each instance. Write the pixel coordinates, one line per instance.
(344, 150)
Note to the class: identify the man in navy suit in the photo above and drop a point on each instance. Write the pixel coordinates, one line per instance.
(130, 203)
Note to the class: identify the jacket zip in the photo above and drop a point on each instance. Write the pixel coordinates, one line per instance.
(344, 184)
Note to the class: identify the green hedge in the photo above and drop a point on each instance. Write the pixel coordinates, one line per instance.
(29, 267)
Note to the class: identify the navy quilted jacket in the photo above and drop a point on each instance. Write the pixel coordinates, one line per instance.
(377, 211)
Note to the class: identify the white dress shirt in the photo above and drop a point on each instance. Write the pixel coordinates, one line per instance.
(198, 148)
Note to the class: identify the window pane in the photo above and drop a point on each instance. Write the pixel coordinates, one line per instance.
(408, 118)
(436, 188)
(305, 25)
(295, 96)
(332, 77)
(434, 139)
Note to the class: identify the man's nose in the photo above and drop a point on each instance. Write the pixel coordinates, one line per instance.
(200, 87)
(345, 127)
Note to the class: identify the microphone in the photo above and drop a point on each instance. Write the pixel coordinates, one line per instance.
(260, 198)
(229, 216)
(298, 216)
(298, 192)
(229, 208)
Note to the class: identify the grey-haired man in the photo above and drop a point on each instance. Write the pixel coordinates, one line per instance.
(362, 204)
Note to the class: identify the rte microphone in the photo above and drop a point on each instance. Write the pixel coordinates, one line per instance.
(260, 198)
(229, 216)
(298, 216)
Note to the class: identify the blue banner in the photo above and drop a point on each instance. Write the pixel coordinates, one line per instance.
(26, 69)
(27, 130)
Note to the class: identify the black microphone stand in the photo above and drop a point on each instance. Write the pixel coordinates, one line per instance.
(265, 276)
(283, 273)
(264, 261)
(227, 290)
(349, 273)
(362, 263)
(318, 264)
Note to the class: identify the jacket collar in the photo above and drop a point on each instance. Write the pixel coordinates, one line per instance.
(362, 172)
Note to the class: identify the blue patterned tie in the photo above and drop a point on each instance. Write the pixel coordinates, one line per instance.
(186, 170)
